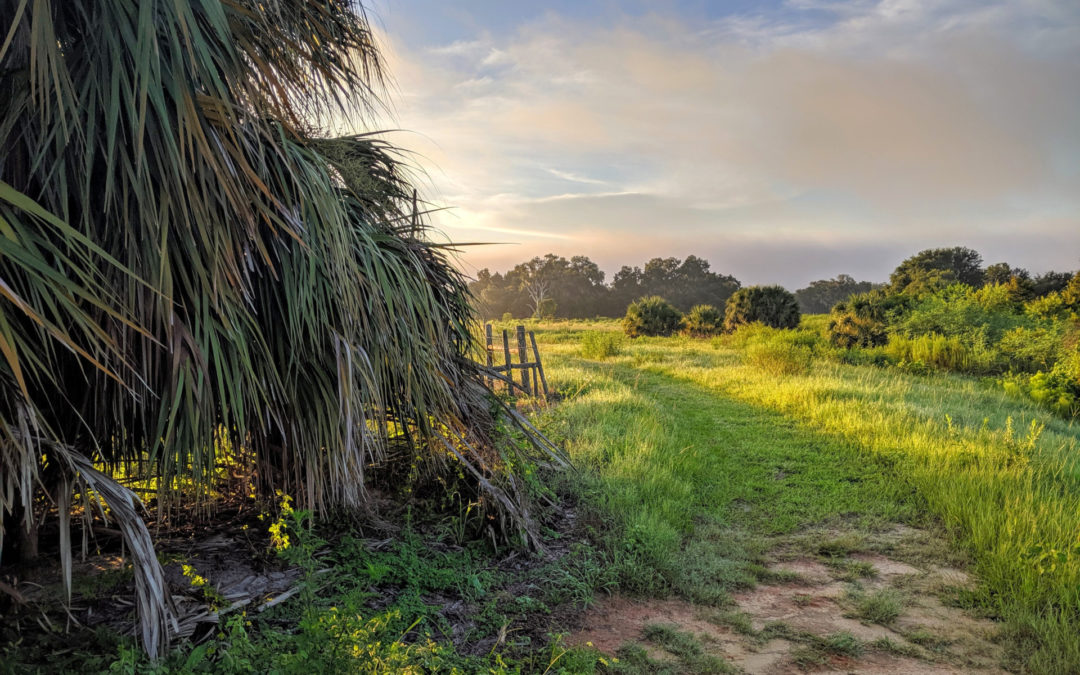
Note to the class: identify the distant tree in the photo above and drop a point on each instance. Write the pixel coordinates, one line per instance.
(684, 283)
(498, 294)
(936, 267)
(652, 316)
(1050, 282)
(771, 305)
(1001, 273)
(820, 296)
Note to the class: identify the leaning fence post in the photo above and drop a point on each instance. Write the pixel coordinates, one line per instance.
(509, 370)
(523, 357)
(487, 352)
(539, 364)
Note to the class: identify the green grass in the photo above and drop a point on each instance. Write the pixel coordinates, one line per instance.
(697, 482)
(881, 606)
(699, 458)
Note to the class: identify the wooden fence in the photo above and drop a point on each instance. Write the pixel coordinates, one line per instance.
(529, 379)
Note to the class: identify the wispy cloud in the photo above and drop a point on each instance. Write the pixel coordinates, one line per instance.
(899, 122)
(574, 178)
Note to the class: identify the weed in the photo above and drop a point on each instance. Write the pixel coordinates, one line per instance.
(881, 606)
(601, 344)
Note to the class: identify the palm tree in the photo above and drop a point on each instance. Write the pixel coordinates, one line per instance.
(187, 265)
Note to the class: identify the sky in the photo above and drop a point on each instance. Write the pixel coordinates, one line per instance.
(783, 141)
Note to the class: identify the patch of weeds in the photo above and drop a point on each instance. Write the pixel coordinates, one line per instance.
(802, 599)
(806, 657)
(633, 658)
(842, 546)
(739, 622)
(881, 607)
(889, 646)
(851, 570)
(841, 644)
(961, 598)
(692, 656)
(558, 659)
(768, 576)
(925, 638)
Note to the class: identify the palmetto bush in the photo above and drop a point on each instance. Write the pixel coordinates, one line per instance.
(651, 316)
(187, 264)
(773, 306)
(703, 321)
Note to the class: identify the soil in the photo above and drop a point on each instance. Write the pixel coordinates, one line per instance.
(928, 636)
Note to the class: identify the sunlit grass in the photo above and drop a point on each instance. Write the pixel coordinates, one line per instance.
(1000, 474)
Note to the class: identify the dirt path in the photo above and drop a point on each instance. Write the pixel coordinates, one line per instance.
(837, 602)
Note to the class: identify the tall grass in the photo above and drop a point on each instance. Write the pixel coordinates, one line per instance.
(1001, 474)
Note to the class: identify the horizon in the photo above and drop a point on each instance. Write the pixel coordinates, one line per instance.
(784, 142)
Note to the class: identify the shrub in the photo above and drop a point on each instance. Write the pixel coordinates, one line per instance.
(601, 344)
(847, 329)
(771, 305)
(1031, 349)
(652, 316)
(703, 321)
(941, 352)
(1058, 389)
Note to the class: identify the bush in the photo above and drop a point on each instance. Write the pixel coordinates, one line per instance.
(941, 352)
(1031, 349)
(1058, 389)
(651, 316)
(771, 305)
(601, 344)
(703, 321)
(847, 329)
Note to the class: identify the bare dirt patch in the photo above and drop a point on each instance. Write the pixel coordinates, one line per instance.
(816, 621)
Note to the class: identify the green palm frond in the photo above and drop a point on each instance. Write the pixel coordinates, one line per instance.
(186, 264)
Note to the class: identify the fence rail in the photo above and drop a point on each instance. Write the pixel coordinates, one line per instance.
(531, 373)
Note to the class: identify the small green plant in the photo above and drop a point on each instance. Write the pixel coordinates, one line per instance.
(210, 594)
(601, 344)
(703, 321)
(651, 316)
(882, 606)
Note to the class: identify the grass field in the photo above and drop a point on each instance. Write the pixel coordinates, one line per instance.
(682, 440)
(703, 468)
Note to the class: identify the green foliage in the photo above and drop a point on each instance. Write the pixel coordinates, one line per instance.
(882, 606)
(848, 329)
(778, 357)
(1057, 389)
(576, 287)
(940, 352)
(703, 321)
(931, 269)
(821, 296)
(771, 305)
(601, 344)
(651, 316)
(686, 436)
(201, 271)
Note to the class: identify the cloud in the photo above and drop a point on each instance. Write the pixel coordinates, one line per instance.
(887, 126)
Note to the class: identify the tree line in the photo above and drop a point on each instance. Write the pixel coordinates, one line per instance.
(575, 288)
(553, 286)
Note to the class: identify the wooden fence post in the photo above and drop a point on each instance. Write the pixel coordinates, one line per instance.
(523, 358)
(539, 364)
(488, 346)
(509, 370)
